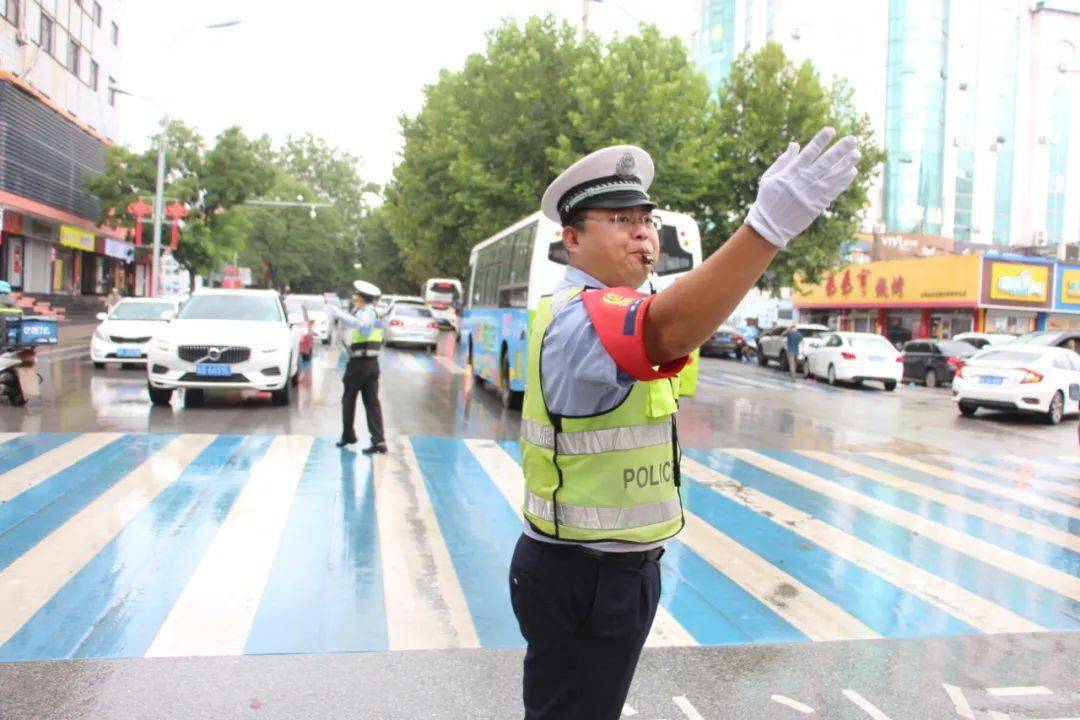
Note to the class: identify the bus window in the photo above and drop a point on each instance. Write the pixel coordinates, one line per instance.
(557, 253)
(673, 258)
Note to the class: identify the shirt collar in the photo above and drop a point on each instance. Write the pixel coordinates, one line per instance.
(576, 277)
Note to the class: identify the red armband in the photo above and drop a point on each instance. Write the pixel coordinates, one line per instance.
(618, 314)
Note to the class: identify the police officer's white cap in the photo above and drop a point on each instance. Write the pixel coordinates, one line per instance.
(366, 289)
(615, 177)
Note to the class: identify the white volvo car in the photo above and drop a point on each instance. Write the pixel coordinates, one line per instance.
(856, 357)
(1027, 378)
(227, 339)
(125, 332)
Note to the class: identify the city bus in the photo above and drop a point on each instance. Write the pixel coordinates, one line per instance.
(443, 296)
(509, 273)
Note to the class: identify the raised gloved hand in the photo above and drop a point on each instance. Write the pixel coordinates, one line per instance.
(798, 186)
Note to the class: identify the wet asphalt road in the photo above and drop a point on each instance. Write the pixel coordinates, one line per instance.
(925, 566)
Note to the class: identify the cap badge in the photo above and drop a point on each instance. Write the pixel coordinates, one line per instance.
(625, 167)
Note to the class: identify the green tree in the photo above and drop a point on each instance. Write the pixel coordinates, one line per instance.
(767, 102)
(381, 258)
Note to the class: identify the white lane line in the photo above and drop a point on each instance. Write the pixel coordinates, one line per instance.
(4, 437)
(28, 583)
(1022, 567)
(425, 605)
(628, 711)
(1020, 496)
(865, 705)
(793, 704)
(507, 476)
(959, 701)
(1019, 691)
(450, 365)
(809, 612)
(1013, 476)
(688, 710)
(214, 612)
(953, 599)
(33, 472)
(958, 502)
(1036, 463)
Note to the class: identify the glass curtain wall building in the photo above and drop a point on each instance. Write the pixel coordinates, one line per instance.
(915, 115)
(716, 40)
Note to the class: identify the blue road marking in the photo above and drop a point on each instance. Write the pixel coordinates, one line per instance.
(1034, 602)
(115, 605)
(1070, 472)
(480, 531)
(25, 448)
(30, 516)
(880, 605)
(712, 608)
(325, 591)
(1016, 484)
(1039, 515)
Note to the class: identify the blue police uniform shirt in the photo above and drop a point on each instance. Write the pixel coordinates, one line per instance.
(363, 320)
(580, 377)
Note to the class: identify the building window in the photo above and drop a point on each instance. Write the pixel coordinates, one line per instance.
(11, 11)
(94, 74)
(97, 14)
(45, 35)
(73, 57)
(112, 92)
(115, 34)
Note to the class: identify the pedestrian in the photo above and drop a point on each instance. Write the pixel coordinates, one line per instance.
(600, 448)
(113, 298)
(793, 338)
(363, 343)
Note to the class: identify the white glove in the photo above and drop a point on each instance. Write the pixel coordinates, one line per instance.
(798, 186)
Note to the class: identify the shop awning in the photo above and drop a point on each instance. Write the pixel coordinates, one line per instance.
(46, 212)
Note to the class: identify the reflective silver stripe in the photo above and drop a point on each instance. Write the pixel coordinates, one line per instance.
(592, 442)
(603, 518)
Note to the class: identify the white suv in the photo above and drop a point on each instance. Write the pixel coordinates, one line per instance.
(228, 339)
(316, 310)
(773, 344)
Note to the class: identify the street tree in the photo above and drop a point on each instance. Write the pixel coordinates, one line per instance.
(767, 102)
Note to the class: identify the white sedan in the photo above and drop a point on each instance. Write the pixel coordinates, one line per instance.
(125, 331)
(316, 310)
(1025, 378)
(228, 339)
(856, 357)
(409, 324)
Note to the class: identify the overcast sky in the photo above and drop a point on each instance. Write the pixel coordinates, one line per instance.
(342, 69)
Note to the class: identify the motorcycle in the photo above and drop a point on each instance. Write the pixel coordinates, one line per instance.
(19, 380)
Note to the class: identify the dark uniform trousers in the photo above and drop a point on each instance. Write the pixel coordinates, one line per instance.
(585, 619)
(362, 376)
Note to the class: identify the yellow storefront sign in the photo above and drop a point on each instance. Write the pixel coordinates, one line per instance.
(76, 237)
(945, 281)
(1019, 282)
(1070, 286)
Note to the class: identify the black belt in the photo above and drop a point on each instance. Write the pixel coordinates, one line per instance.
(634, 557)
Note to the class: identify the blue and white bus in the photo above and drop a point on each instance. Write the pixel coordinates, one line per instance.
(509, 273)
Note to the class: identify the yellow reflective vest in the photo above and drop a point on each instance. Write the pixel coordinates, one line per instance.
(611, 476)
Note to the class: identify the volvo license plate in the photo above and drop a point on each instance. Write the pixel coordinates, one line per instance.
(213, 370)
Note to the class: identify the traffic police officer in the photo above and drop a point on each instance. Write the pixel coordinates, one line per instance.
(600, 447)
(362, 341)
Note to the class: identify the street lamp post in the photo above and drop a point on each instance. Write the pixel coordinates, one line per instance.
(159, 185)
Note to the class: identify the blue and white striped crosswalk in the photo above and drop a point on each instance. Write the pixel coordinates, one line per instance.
(123, 545)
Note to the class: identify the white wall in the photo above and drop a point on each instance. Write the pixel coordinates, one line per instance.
(49, 73)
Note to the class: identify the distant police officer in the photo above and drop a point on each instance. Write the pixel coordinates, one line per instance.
(600, 448)
(363, 339)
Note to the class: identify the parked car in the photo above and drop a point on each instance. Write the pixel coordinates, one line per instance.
(1069, 339)
(935, 362)
(773, 345)
(856, 357)
(410, 324)
(1026, 378)
(316, 310)
(125, 332)
(225, 338)
(981, 340)
(301, 324)
(725, 342)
